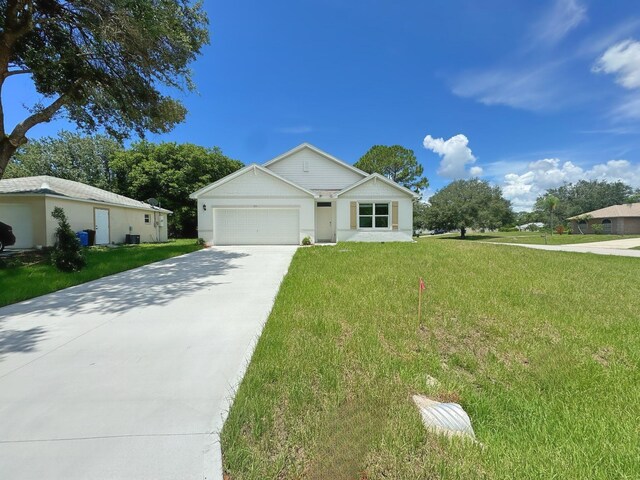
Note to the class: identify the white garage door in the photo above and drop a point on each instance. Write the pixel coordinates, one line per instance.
(256, 226)
(19, 216)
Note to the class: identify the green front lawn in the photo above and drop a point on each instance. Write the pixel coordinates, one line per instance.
(541, 348)
(29, 274)
(537, 238)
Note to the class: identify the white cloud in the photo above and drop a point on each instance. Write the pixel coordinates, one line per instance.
(564, 16)
(523, 189)
(623, 61)
(538, 82)
(455, 156)
(534, 89)
(627, 109)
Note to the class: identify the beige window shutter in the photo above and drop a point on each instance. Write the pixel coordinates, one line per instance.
(354, 212)
(394, 215)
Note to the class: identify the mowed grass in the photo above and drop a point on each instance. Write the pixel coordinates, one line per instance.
(30, 275)
(541, 348)
(537, 238)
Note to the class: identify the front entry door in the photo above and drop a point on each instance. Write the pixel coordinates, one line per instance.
(324, 222)
(102, 226)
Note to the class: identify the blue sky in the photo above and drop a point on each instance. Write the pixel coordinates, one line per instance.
(524, 94)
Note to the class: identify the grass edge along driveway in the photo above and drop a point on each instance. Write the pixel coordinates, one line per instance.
(539, 347)
(24, 281)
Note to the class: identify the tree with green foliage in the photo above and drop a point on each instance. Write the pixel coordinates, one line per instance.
(466, 204)
(67, 252)
(102, 63)
(585, 196)
(420, 216)
(396, 163)
(70, 156)
(170, 172)
(522, 218)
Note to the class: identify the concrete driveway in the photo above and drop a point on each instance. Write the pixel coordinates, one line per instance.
(127, 377)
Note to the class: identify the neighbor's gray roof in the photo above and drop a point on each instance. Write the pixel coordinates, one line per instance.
(67, 188)
(627, 210)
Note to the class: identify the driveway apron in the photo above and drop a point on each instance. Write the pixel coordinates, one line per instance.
(126, 377)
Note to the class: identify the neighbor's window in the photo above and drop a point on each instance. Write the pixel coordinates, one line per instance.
(606, 226)
(373, 215)
(147, 218)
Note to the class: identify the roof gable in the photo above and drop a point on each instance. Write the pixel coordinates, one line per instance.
(314, 169)
(322, 153)
(376, 184)
(252, 180)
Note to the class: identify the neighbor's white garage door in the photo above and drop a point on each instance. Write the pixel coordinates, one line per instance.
(256, 226)
(19, 216)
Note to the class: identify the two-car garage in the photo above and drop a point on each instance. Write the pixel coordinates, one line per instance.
(254, 206)
(256, 226)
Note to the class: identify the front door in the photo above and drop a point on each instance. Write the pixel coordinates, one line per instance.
(324, 222)
(102, 226)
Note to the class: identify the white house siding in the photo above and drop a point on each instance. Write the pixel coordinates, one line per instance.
(321, 173)
(375, 191)
(254, 189)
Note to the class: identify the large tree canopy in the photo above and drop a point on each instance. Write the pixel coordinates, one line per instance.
(71, 156)
(584, 196)
(396, 163)
(468, 204)
(169, 172)
(103, 62)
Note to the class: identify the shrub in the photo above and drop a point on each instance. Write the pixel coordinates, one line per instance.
(597, 228)
(560, 229)
(306, 241)
(508, 229)
(67, 252)
(201, 242)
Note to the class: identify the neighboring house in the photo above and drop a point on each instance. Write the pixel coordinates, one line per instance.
(616, 219)
(26, 204)
(304, 192)
(527, 226)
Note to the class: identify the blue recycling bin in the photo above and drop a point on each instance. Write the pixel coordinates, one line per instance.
(84, 238)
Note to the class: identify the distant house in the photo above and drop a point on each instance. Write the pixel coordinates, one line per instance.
(304, 192)
(26, 204)
(530, 226)
(616, 219)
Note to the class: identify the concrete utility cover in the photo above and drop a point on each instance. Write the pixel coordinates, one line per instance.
(446, 418)
(126, 377)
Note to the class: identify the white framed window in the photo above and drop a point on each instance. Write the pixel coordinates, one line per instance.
(374, 215)
(147, 218)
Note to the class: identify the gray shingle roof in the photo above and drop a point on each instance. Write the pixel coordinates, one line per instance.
(67, 188)
(626, 210)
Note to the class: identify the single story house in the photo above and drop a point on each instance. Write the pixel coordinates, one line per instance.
(616, 219)
(530, 226)
(26, 204)
(304, 192)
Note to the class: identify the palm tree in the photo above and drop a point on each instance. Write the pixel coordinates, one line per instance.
(550, 203)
